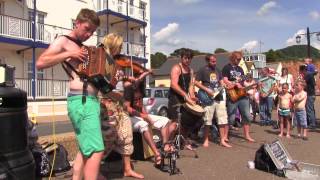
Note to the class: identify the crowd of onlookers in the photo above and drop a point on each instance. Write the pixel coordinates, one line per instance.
(292, 97)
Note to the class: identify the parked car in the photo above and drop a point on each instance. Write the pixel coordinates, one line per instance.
(156, 100)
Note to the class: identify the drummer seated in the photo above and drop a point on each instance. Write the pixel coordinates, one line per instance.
(141, 121)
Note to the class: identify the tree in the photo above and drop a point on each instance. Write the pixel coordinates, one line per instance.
(271, 56)
(220, 50)
(157, 60)
(194, 52)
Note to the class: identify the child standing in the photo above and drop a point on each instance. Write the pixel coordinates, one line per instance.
(299, 100)
(284, 109)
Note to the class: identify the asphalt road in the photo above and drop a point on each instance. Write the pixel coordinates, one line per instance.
(219, 163)
(46, 128)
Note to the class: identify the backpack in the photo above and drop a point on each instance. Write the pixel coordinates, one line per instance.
(61, 163)
(42, 162)
(264, 162)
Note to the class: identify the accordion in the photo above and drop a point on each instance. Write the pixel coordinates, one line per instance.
(94, 63)
(99, 69)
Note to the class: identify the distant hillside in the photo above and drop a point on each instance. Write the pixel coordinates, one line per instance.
(294, 52)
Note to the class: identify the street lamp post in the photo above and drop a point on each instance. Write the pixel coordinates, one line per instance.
(308, 34)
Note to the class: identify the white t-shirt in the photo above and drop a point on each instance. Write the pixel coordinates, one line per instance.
(286, 79)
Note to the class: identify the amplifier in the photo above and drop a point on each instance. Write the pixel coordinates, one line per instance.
(7, 77)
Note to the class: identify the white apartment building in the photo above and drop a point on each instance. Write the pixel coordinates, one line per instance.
(27, 27)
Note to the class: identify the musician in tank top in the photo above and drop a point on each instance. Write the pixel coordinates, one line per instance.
(232, 74)
(181, 87)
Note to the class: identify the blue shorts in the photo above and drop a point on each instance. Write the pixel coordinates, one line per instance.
(301, 118)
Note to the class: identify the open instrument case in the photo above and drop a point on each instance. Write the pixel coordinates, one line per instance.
(293, 169)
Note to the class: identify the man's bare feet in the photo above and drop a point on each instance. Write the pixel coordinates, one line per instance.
(205, 143)
(131, 173)
(225, 144)
(288, 136)
(280, 135)
(250, 139)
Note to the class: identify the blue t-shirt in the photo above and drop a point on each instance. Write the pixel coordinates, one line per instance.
(311, 68)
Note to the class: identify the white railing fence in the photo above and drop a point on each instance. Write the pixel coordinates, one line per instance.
(15, 27)
(120, 6)
(45, 89)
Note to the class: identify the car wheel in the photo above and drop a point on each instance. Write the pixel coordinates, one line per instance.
(163, 112)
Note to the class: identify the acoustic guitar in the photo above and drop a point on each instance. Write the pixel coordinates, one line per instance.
(235, 93)
(205, 98)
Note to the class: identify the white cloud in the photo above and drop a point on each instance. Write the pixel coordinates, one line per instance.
(265, 8)
(166, 35)
(166, 32)
(250, 46)
(187, 1)
(292, 40)
(314, 15)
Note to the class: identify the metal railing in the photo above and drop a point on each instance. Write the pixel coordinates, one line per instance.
(45, 89)
(22, 29)
(15, 27)
(121, 7)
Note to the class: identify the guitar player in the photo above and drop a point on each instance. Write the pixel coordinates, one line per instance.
(208, 79)
(232, 74)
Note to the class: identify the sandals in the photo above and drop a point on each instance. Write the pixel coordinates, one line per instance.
(157, 160)
(167, 148)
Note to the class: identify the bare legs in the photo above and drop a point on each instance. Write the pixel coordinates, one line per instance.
(288, 124)
(223, 130)
(128, 172)
(206, 136)
(90, 166)
(149, 140)
(246, 131)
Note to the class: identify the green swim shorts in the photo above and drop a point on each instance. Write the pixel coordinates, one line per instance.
(85, 119)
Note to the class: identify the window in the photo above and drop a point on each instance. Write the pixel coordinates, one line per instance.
(166, 93)
(142, 11)
(158, 94)
(40, 16)
(1, 7)
(147, 93)
(142, 5)
(2, 61)
(40, 73)
(131, 2)
(73, 23)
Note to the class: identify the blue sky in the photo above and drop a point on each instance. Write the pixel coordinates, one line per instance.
(231, 24)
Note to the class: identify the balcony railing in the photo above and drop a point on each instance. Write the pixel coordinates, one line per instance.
(45, 89)
(15, 27)
(120, 6)
(22, 29)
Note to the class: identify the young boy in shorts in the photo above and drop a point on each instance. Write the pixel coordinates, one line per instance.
(284, 109)
(299, 100)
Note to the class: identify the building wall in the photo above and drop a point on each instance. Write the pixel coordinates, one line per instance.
(162, 81)
(12, 58)
(54, 16)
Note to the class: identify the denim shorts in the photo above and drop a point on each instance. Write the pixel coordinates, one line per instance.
(301, 118)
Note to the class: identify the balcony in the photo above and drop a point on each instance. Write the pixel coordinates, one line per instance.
(17, 28)
(45, 89)
(120, 6)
